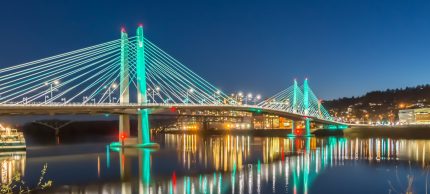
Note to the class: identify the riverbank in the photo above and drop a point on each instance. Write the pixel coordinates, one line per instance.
(405, 132)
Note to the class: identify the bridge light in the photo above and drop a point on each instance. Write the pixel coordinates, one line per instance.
(56, 82)
(258, 97)
(114, 85)
(249, 95)
(218, 92)
(157, 88)
(122, 136)
(191, 90)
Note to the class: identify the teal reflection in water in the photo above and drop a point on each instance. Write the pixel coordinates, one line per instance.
(245, 164)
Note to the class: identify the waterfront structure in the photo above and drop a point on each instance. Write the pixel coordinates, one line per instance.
(414, 116)
(11, 139)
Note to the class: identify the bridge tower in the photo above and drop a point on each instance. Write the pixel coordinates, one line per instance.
(143, 120)
(124, 119)
(294, 105)
(306, 107)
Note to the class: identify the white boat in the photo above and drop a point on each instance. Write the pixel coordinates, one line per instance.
(11, 139)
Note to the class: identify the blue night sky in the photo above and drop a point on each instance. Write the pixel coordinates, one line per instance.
(345, 48)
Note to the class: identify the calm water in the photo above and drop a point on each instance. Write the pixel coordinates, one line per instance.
(230, 164)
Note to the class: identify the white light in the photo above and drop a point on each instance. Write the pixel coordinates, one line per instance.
(114, 85)
(157, 88)
(240, 94)
(249, 95)
(258, 97)
(191, 90)
(56, 82)
(218, 92)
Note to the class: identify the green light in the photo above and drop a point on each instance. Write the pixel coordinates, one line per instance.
(258, 167)
(335, 127)
(107, 156)
(146, 166)
(257, 110)
(295, 89)
(141, 83)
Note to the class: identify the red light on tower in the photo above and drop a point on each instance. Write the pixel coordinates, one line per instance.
(140, 24)
(172, 109)
(122, 138)
(122, 29)
(174, 178)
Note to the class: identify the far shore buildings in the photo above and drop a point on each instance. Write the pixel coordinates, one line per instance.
(414, 116)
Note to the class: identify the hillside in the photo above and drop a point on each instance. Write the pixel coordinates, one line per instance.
(380, 105)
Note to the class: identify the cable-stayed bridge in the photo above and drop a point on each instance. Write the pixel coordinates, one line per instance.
(132, 75)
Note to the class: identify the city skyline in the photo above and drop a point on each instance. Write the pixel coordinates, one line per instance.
(344, 49)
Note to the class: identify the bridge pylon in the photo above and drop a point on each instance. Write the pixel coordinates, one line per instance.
(306, 107)
(294, 107)
(143, 118)
(124, 98)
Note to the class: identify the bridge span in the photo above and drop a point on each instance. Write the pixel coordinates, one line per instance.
(133, 76)
(133, 109)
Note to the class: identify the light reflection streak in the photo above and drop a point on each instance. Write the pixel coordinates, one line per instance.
(287, 165)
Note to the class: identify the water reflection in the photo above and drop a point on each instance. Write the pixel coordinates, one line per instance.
(242, 164)
(12, 163)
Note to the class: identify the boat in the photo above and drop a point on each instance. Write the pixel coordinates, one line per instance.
(11, 139)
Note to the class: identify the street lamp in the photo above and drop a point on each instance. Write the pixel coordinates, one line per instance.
(113, 86)
(191, 90)
(51, 84)
(249, 97)
(217, 95)
(154, 91)
(85, 98)
(240, 95)
(257, 98)
(24, 100)
(63, 100)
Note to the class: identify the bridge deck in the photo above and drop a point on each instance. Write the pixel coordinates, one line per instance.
(133, 108)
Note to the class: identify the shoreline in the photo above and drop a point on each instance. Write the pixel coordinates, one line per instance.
(401, 132)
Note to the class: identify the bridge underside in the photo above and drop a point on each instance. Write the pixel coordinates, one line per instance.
(133, 109)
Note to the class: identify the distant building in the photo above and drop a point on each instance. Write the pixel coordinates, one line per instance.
(415, 116)
(406, 116)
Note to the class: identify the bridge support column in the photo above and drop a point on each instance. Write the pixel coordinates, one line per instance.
(306, 107)
(143, 130)
(308, 127)
(293, 127)
(124, 120)
(294, 107)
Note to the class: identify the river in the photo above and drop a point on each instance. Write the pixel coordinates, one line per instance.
(229, 164)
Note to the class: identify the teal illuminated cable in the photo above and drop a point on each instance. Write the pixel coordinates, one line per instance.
(74, 78)
(181, 67)
(55, 64)
(22, 91)
(45, 75)
(82, 81)
(57, 56)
